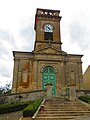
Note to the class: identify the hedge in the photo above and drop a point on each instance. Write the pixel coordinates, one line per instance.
(13, 107)
(31, 108)
(85, 98)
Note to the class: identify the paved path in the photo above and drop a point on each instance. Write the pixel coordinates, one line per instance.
(84, 118)
(11, 116)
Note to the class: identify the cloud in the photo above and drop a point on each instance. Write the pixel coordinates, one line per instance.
(27, 35)
(23, 40)
(5, 68)
(86, 59)
(5, 80)
(7, 43)
(17, 29)
(79, 34)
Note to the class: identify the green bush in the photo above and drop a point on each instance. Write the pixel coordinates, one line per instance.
(85, 98)
(13, 107)
(31, 108)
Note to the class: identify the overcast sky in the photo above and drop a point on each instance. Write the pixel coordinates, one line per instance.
(17, 29)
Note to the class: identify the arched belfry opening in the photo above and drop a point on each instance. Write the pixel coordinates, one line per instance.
(48, 32)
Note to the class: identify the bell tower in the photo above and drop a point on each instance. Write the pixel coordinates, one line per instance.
(47, 28)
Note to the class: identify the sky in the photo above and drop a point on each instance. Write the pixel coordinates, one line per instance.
(17, 33)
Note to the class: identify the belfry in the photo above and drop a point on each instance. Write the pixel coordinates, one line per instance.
(47, 64)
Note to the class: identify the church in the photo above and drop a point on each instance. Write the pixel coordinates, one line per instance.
(47, 64)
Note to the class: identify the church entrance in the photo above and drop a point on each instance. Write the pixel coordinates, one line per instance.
(49, 77)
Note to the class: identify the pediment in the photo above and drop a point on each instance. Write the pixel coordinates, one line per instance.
(49, 50)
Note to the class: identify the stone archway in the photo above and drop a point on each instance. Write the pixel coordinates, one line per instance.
(49, 77)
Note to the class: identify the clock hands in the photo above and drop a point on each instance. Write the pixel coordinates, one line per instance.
(48, 27)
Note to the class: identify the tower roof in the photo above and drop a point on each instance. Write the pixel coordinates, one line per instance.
(47, 13)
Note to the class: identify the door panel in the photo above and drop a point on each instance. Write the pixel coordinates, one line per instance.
(49, 76)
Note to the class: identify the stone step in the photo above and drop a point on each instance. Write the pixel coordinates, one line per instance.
(65, 109)
(60, 106)
(64, 104)
(55, 105)
(60, 109)
(63, 101)
(57, 118)
(57, 109)
(69, 102)
(62, 114)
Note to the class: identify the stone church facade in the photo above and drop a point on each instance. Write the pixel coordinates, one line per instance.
(47, 63)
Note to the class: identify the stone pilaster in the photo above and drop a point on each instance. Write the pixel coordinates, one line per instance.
(80, 76)
(15, 76)
(63, 74)
(19, 78)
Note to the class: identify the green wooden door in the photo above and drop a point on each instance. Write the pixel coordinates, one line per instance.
(49, 76)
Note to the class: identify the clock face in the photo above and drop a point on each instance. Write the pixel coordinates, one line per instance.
(48, 28)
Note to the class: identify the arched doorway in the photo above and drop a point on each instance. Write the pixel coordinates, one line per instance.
(49, 77)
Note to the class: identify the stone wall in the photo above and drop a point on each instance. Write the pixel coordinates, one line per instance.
(86, 79)
(21, 97)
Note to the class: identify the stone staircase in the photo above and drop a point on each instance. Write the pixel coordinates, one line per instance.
(62, 109)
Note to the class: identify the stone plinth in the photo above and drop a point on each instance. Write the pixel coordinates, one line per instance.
(72, 92)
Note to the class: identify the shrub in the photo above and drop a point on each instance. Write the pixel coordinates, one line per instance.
(85, 98)
(31, 108)
(12, 107)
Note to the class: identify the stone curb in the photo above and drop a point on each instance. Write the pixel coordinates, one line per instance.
(38, 109)
(84, 103)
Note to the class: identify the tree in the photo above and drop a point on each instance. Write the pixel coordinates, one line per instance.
(6, 89)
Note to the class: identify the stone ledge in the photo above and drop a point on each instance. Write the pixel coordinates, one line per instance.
(38, 109)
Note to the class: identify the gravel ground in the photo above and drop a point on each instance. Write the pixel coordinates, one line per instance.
(11, 116)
